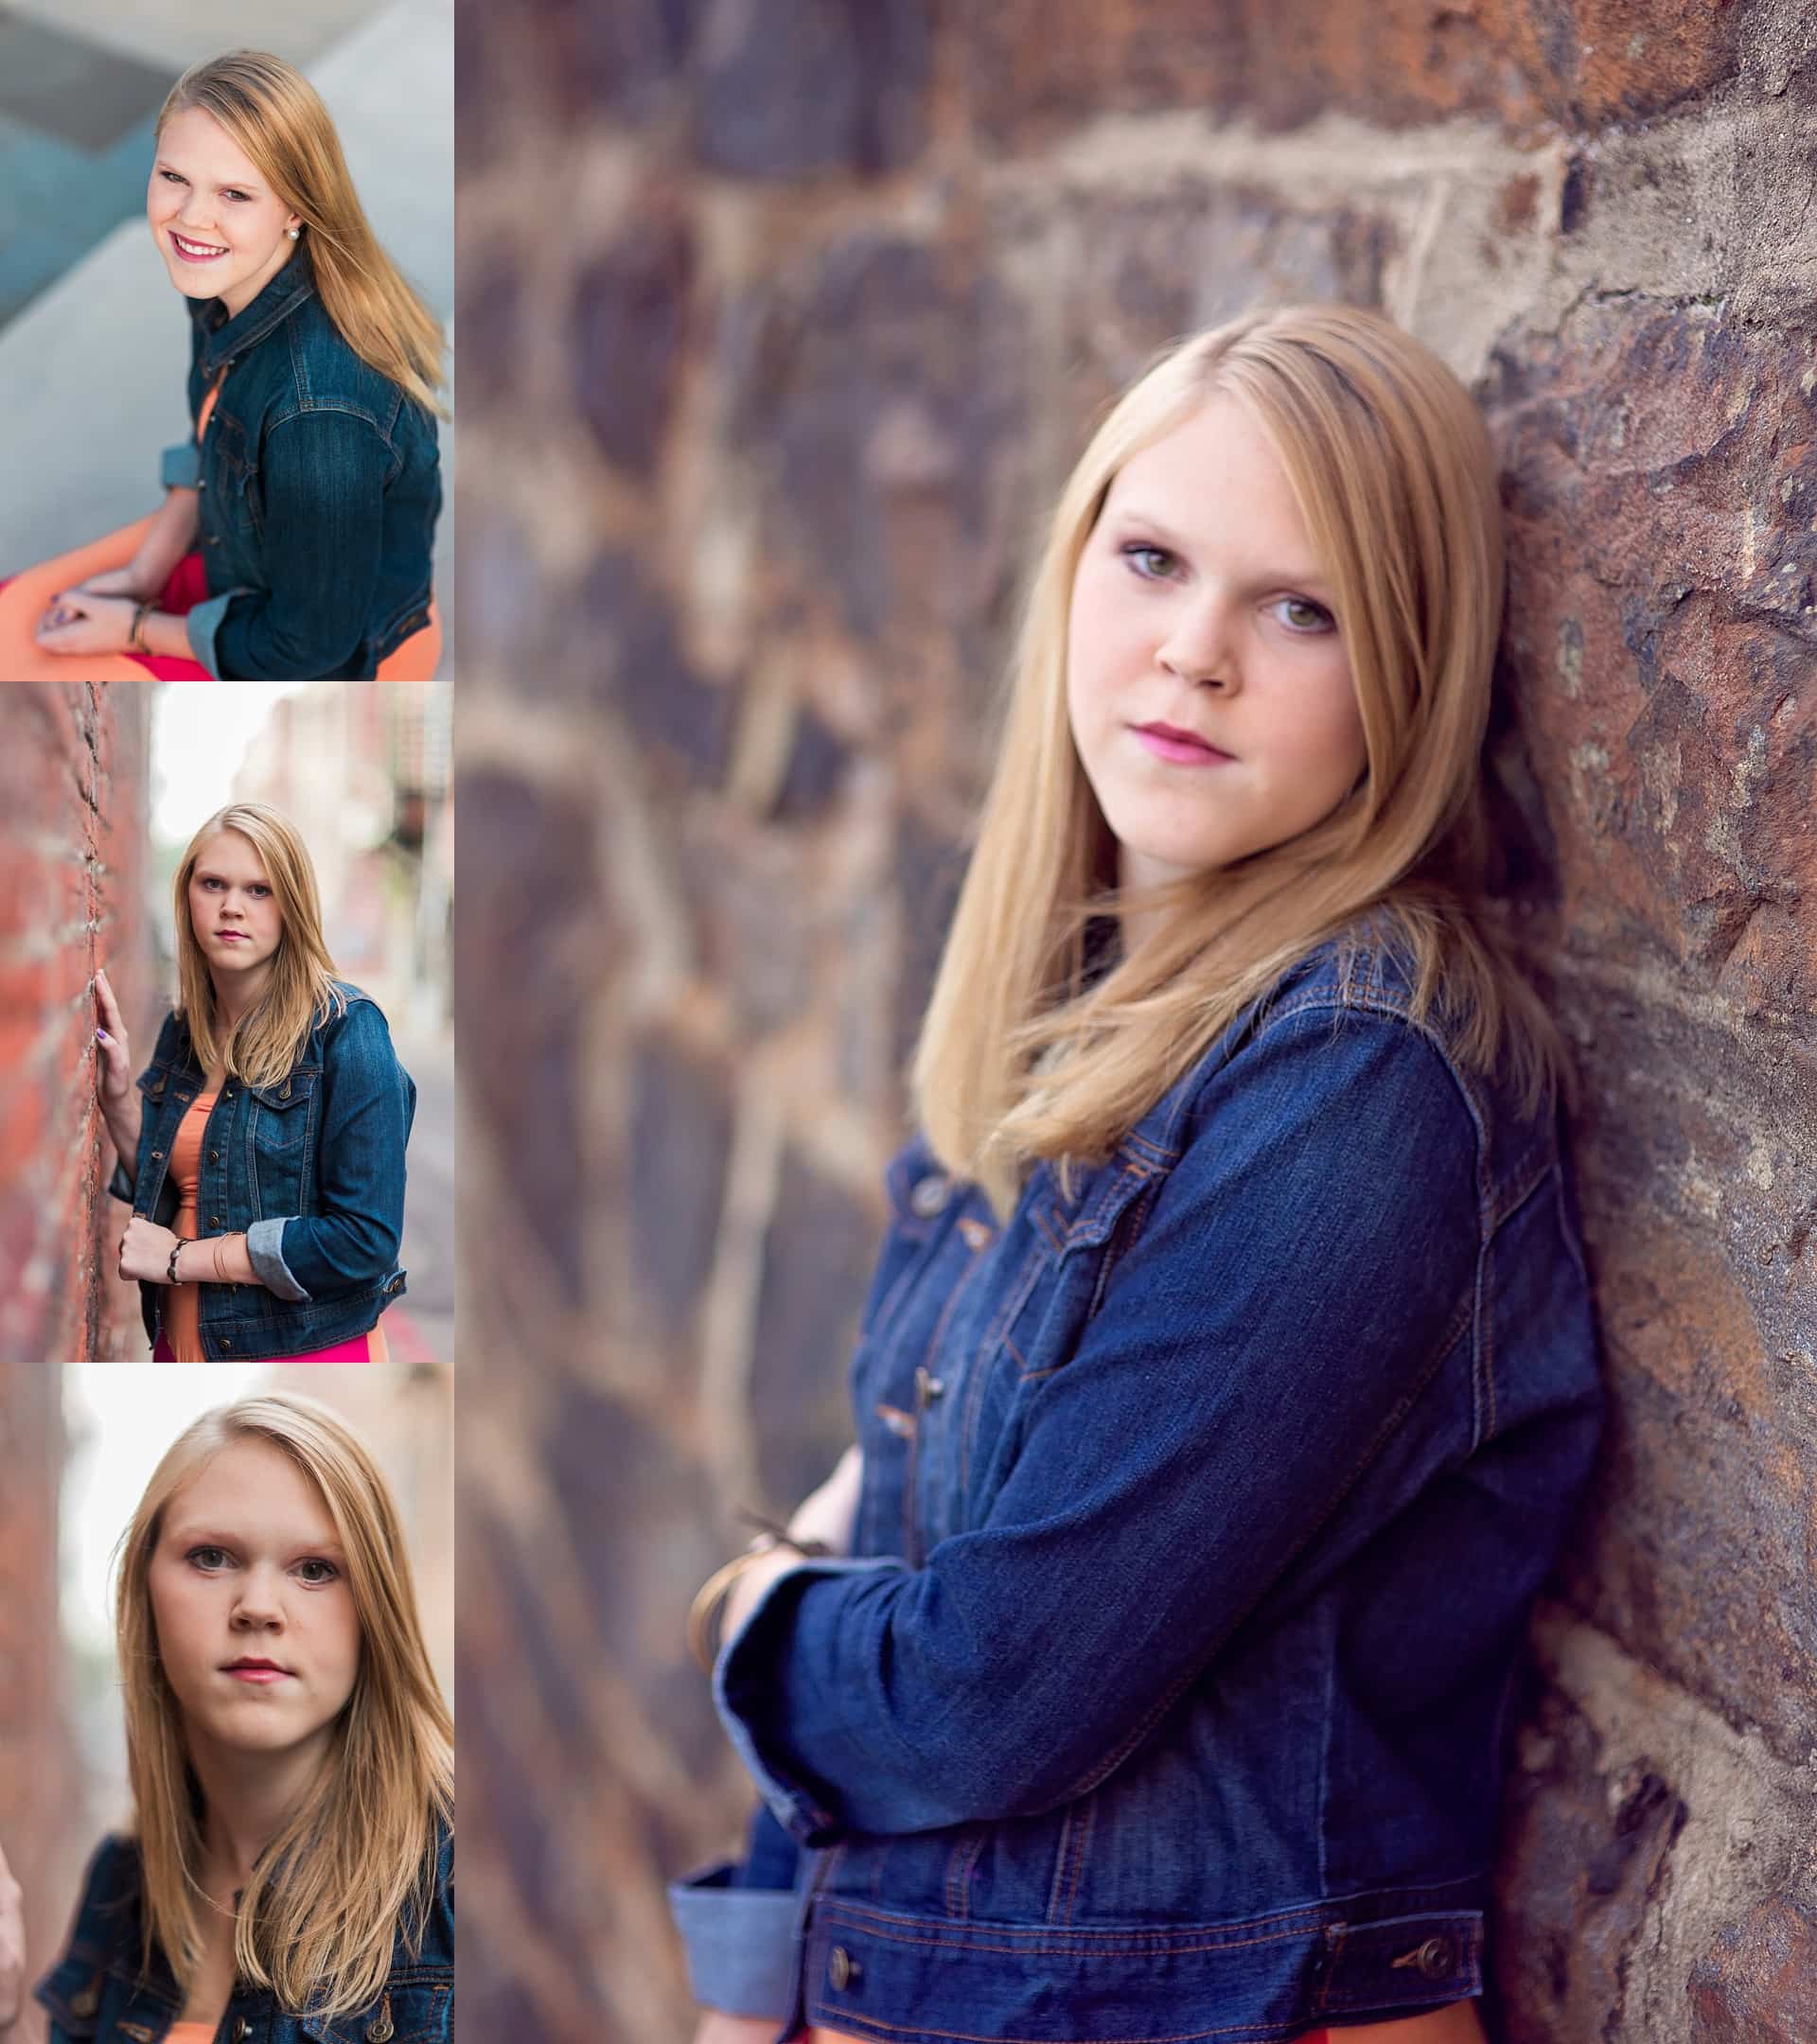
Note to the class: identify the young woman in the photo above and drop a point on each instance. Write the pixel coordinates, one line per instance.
(294, 539)
(262, 1149)
(1228, 1374)
(292, 1863)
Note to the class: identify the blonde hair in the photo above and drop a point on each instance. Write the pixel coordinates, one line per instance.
(265, 1043)
(276, 118)
(1021, 1054)
(355, 1862)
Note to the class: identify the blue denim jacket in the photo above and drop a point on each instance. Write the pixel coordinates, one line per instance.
(99, 1992)
(1165, 1693)
(319, 488)
(311, 1167)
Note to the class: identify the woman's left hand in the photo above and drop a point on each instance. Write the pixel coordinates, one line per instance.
(145, 1251)
(830, 1513)
(81, 622)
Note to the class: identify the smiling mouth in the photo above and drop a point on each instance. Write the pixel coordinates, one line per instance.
(195, 251)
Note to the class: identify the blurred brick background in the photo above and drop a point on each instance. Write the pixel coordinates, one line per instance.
(73, 793)
(39, 1781)
(754, 446)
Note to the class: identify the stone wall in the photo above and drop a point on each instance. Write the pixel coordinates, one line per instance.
(750, 464)
(73, 796)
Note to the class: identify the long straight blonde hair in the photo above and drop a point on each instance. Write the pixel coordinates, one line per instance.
(355, 1864)
(265, 1043)
(1022, 1053)
(276, 117)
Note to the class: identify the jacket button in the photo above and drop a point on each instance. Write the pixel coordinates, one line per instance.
(841, 1968)
(214, 1219)
(930, 1194)
(183, 1100)
(226, 1344)
(85, 2001)
(157, 1156)
(242, 2029)
(1435, 1957)
(214, 1156)
(379, 2030)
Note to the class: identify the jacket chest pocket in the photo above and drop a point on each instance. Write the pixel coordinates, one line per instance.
(230, 472)
(282, 1120)
(416, 2011)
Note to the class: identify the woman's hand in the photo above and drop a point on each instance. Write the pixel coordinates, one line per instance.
(113, 1065)
(145, 1251)
(830, 1513)
(12, 1948)
(78, 622)
(717, 2028)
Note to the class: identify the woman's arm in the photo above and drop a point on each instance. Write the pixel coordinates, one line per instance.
(12, 1948)
(354, 1237)
(121, 1108)
(167, 538)
(324, 477)
(1307, 1266)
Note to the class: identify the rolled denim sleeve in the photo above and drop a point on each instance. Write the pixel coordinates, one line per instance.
(1307, 1265)
(740, 1921)
(181, 465)
(323, 475)
(353, 1239)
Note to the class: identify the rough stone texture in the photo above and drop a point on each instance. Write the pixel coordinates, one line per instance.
(739, 584)
(73, 767)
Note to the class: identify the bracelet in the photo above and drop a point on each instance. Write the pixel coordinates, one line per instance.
(176, 1250)
(135, 638)
(709, 1601)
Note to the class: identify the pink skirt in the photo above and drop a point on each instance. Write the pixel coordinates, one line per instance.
(357, 1350)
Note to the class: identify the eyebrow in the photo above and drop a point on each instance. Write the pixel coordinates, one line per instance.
(208, 1536)
(1131, 515)
(209, 873)
(164, 163)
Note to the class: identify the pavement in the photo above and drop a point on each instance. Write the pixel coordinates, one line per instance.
(93, 341)
(420, 1328)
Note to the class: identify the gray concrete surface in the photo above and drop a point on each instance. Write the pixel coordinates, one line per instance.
(94, 369)
(176, 33)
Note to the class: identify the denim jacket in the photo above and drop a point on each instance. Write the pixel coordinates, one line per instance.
(100, 1993)
(1165, 1693)
(311, 1167)
(319, 488)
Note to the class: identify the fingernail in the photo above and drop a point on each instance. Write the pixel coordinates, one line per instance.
(102, 1036)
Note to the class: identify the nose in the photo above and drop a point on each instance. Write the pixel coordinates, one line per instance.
(259, 1609)
(1200, 646)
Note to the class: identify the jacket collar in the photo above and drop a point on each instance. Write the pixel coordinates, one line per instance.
(224, 339)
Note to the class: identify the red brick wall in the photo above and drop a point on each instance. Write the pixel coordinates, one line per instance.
(73, 790)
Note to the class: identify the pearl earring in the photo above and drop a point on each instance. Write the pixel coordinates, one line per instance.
(295, 232)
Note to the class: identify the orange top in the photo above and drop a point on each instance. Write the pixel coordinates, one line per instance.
(190, 2034)
(183, 1303)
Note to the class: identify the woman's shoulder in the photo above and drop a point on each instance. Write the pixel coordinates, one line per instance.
(106, 1926)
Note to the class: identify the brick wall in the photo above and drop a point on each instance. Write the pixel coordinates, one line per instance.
(761, 436)
(73, 769)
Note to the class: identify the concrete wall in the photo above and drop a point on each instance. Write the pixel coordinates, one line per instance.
(73, 794)
(751, 458)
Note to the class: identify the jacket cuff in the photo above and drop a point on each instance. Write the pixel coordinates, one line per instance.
(203, 626)
(265, 1245)
(120, 1186)
(740, 1943)
(181, 467)
(798, 1813)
